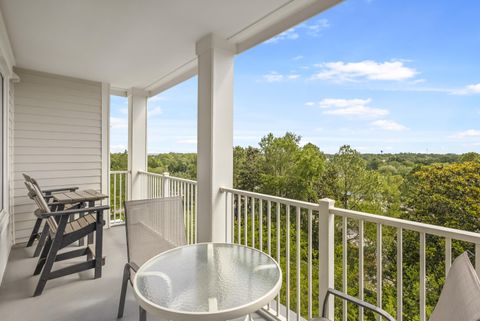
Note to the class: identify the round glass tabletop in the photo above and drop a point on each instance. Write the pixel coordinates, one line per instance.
(211, 279)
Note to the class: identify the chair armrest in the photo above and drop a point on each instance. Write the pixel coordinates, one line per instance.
(97, 209)
(48, 192)
(355, 301)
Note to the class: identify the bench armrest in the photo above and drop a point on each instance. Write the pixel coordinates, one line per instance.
(97, 209)
(49, 191)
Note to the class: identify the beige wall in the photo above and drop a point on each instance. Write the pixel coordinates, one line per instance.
(57, 138)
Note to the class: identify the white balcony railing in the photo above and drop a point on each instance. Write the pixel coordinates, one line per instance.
(118, 195)
(162, 185)
(315, 243)
(285, 229)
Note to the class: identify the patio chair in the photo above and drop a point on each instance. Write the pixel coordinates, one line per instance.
(48, 195)
(152, 227)
(458, 301)
(62, 232)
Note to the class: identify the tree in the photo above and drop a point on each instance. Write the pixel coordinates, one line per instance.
(347, 180)
(445, 194)
(470, 157)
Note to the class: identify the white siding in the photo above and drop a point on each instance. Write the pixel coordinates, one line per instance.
(57, 138)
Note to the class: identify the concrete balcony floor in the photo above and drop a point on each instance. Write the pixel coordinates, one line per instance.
(77, 297)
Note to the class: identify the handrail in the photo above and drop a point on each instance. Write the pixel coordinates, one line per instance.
(282, 200)
(431, 229)
(170, 177)
(120, 172)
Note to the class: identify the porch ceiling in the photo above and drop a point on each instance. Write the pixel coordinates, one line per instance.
(138, 43)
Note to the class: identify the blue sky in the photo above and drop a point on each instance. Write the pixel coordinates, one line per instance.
(397, 76)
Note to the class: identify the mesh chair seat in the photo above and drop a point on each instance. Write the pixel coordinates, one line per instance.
(153, 226)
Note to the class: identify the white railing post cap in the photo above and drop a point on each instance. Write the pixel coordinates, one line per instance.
(327, 201)
(166, 174)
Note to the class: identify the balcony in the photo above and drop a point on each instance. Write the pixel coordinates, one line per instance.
(56, 126)
(329, 238)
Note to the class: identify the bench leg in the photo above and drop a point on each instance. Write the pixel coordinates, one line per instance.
(34, 233)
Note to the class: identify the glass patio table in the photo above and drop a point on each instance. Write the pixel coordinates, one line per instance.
(207, 281)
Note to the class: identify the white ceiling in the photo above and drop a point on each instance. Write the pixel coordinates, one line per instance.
(124, 42)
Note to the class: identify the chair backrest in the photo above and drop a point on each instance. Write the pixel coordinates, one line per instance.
(153, 226)
(31, 180)
(460, 297)
(35, 194)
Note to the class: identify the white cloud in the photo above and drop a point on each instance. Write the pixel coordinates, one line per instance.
(116, 122)
(470, 133)
(348, 107)
(123, 111)
(368, 69)
(468, 90)
(312, 29)
(388, 125)
(155, 111)
(361, 111)
(343, 103)
(277, 77)
(290, 34)
(297, 57)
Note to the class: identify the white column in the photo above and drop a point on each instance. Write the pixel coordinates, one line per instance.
(326, 255)
(215, 136)
(137, 139)
(106, 147)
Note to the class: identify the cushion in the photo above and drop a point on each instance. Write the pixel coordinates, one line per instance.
(460, 297)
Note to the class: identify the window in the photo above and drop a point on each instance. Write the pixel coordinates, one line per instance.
(2, 140)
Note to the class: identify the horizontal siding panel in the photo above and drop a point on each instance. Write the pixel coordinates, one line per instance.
(57, 128)
(57, 119)
(57, 138)
(23, 142)
(58, 159)
(31, 88)
(55, 150)
(60, 98)
(51, 103)
(51, 135)
(35, 169)
(37, 77)
(67, 175)
(55, 112)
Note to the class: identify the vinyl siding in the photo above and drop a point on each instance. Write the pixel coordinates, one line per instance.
(57, 138)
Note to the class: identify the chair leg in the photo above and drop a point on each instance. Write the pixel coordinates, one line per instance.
(123, 293)
(54, 248)
(98, 246)
(34, 233)
(43, 256)
(41, 241)
(142, 314)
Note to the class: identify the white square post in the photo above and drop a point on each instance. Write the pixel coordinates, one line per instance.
(326, 255)
(137, 139)
(215, 136)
